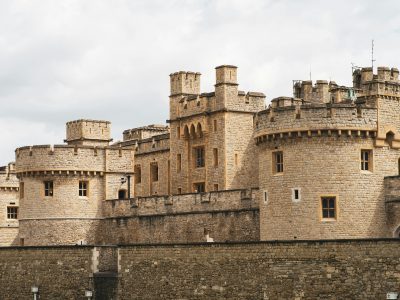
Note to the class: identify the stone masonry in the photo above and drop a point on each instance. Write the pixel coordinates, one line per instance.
(317, 165)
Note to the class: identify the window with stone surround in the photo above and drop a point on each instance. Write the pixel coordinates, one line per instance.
(83, 188)
(199, 187)
(199, 155)
(12, 212)
(154, 172)
(138, 173)
(296, 197)
(328, 208)
(122, 194)
(366, 160)
(277, 158)
(48, 189)
(179, 191)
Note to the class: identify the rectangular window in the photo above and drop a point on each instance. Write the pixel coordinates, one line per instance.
(215, 125)
(366, 160)
(179, 162)
(199, 157)
(215, 157)
(12, 212)
(138, 173)
(215, 186)
(278, 161)
(296, 195)
(328, 205)
(199, 187)
(21, 190)
(179, 191)
(236, 160)
(83, 188)
(48, 188)
(178, 132)
(265, 196)
(154, 172)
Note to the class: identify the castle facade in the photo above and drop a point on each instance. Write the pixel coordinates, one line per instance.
(322, 164)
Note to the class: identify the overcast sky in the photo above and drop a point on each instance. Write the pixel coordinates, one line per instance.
(99, 59)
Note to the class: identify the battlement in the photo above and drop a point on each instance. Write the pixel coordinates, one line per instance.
(185, 83)
(385, 81)
(68, 159)
(8, 180)
(145, 132)
(88, 132)
(322, 91)
(297, 118)
(230, 200)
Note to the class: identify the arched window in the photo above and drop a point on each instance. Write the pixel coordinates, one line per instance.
(199, 130)
(389, 138)
(192, 132)
(397, 233)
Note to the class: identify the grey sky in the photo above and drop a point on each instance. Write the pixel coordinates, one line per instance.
(70, 59)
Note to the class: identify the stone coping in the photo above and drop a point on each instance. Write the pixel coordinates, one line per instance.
(214, 244)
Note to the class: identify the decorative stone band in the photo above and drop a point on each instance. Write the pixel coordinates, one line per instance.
(303, 133)
(9, 188)
(33, 173)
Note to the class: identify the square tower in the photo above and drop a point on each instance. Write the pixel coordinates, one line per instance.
(88, 132)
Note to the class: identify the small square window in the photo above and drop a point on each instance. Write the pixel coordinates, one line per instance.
(215, 186)
(179, 191)
(83, 188)
(278, 162)
(199, 187)
(366, 160)
(12, 212)
(48, 189)
(329, 209)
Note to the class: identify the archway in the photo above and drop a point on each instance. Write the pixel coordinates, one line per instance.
(397, 233)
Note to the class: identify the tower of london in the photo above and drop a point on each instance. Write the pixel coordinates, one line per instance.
(322, 164)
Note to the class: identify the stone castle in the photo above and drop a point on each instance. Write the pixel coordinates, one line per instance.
(322, 164)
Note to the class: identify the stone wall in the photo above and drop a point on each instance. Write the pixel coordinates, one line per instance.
(281, 270)
(221, 216)
(342, 269)
(59, 272)
(318, 167)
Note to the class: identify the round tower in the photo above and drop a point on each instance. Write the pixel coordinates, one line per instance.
(322, 170)
(63, 190)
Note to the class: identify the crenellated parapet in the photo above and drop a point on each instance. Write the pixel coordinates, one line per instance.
(65, 158)
(219, 201)
(293, 117)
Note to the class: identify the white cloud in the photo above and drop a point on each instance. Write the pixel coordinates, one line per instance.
(63, 60)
